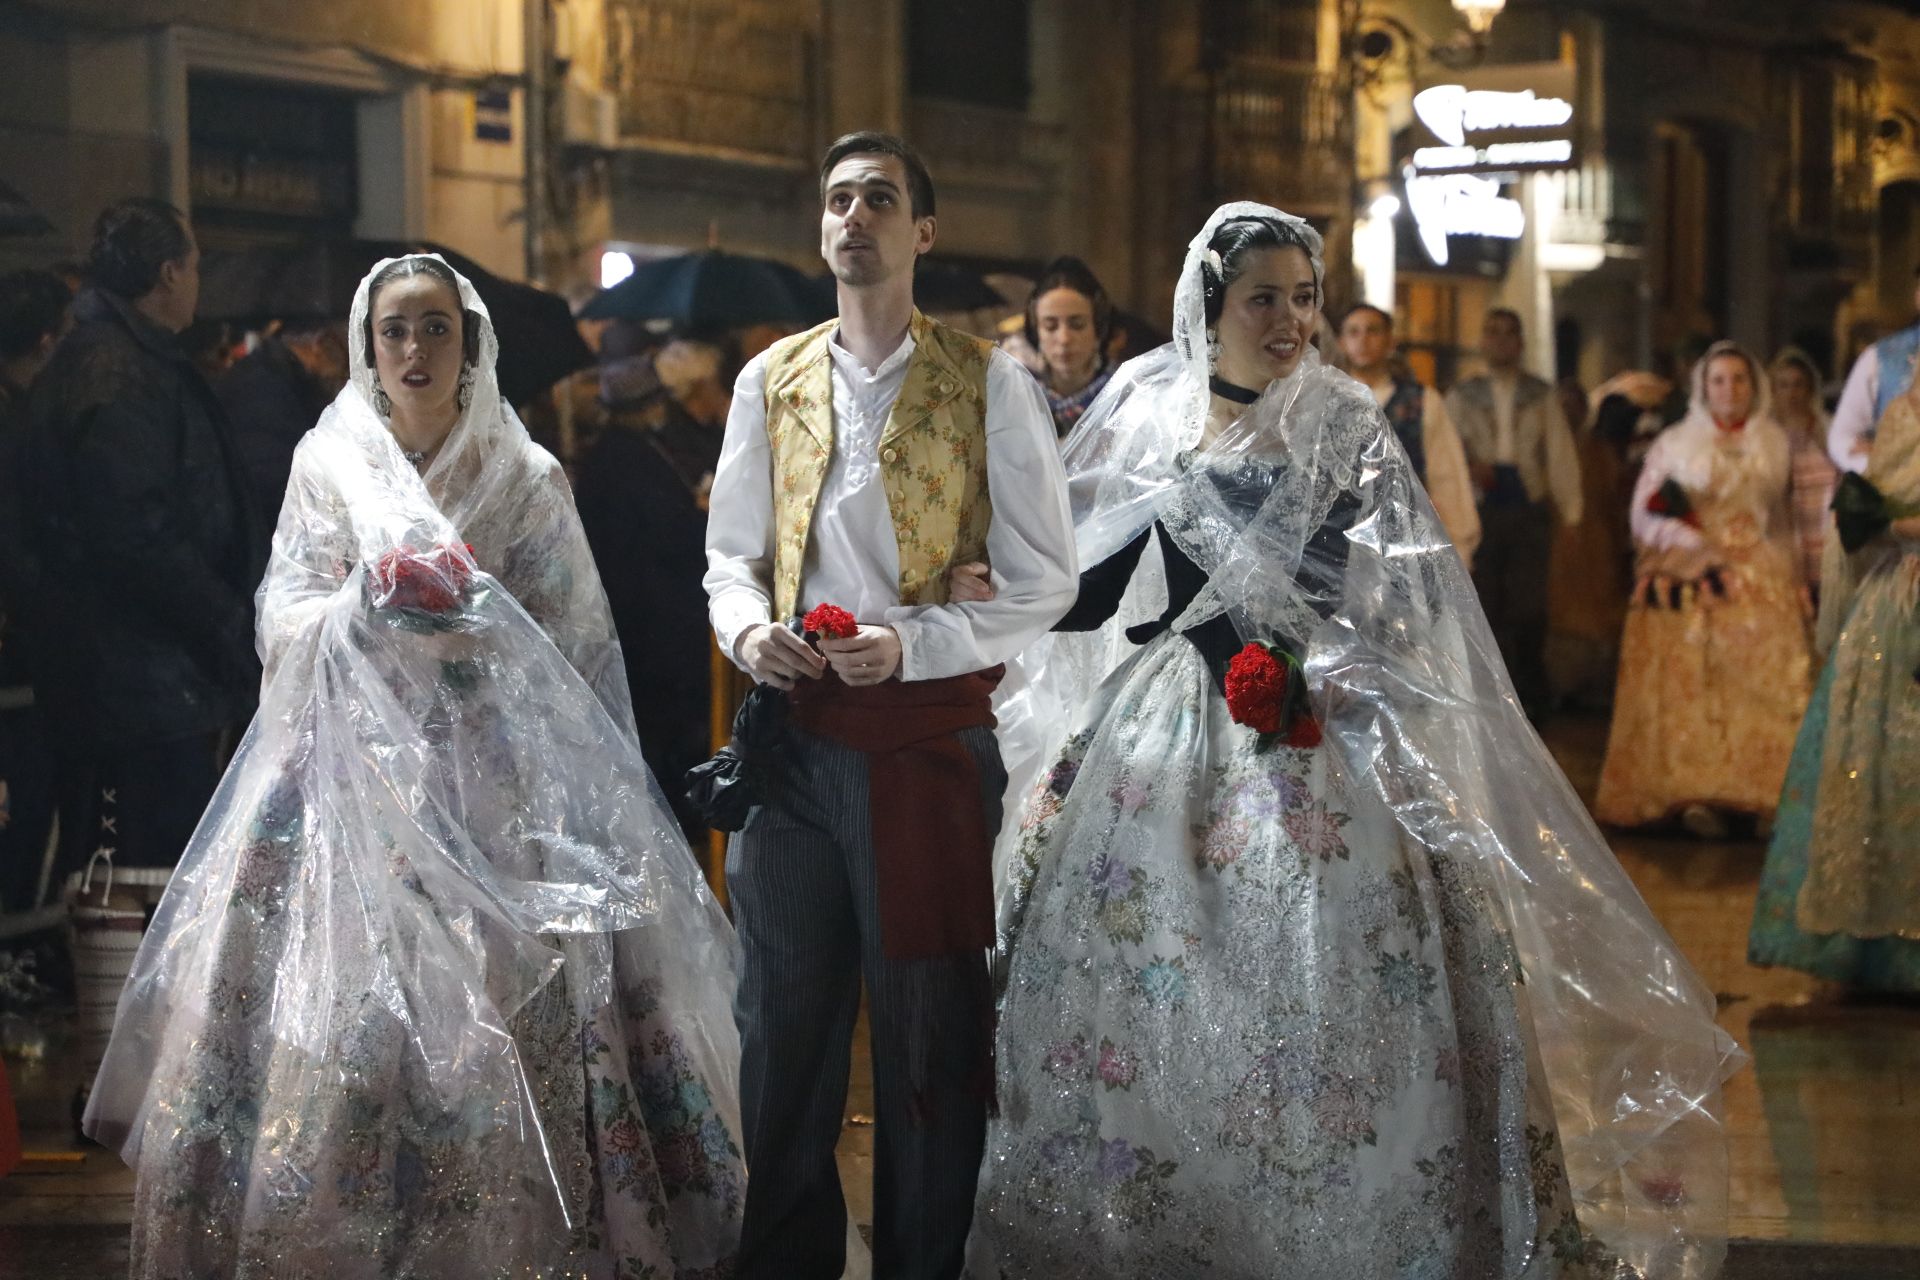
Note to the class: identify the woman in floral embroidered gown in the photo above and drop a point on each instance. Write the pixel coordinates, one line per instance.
(1380, 1004)
(438, 989)
(1714, 662)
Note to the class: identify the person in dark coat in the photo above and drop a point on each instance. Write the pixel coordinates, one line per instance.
(273, 396)
(642, 494)
(137, 509)
(35, 309)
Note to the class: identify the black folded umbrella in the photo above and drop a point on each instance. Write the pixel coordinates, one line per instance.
(539, 342)
(711, 291)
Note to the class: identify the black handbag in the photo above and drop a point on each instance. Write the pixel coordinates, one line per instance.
(745, 773)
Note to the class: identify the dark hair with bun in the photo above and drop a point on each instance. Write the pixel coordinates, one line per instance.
(132, 240)
(1235, 239)
(1068, 272)
(420, 265)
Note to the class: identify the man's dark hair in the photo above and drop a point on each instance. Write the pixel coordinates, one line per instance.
(420, 265)
(1519, 325)
(1358, 307)
(1068, 272)
(872, 142)
(33, 304)
(132, 240)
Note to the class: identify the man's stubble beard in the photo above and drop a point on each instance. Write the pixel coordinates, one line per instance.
(860, 274)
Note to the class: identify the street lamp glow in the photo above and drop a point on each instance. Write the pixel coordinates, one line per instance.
(1480, 13)
(615, 266)
(1384, 206)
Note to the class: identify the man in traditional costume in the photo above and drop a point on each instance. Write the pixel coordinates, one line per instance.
(1526, 468)
(863, 460)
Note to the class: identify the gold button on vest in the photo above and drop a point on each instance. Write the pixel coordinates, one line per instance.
(933, 456)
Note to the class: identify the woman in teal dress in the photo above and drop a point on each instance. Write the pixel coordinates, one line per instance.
(1840, 892)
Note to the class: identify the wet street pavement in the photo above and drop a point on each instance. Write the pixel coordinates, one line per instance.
(1824, 1123)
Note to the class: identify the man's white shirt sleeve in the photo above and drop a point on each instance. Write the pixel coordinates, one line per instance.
(1853, 416)
(740, 516)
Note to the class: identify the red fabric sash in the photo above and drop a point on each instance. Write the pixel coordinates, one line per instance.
(932, 849)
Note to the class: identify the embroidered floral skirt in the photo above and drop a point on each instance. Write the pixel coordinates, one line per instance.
(369, 1151)
(1247, 1031)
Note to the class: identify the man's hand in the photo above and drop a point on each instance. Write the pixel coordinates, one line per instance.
(870, 656)
(778, 657)
(969, 583)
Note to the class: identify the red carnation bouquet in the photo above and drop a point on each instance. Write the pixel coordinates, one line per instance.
(423, 588)
(829, 622)
(1267, 692)
(1671, 501)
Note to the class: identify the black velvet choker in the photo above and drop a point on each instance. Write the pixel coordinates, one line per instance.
(1228, 391)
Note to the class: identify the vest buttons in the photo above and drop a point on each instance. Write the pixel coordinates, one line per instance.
(891, 455)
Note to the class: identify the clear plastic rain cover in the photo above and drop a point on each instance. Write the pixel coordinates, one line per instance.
(438, 987)
(1388, 882)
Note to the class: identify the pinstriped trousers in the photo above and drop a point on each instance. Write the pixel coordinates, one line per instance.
(805, 903)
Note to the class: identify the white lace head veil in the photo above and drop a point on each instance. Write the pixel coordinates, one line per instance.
(1124, 451)
(488, 431)
(1314, 532)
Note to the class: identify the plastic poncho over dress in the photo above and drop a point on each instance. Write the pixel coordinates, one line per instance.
(438, 988)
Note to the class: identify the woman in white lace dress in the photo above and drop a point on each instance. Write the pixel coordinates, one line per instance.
(1357, 992)
(438, 989)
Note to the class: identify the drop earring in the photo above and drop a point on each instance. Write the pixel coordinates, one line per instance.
(1213, 351)
(382, 404)
(466, 387)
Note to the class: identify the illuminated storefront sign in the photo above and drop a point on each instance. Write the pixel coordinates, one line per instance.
(1502, 119)
(1460, 204)
(1477, 131)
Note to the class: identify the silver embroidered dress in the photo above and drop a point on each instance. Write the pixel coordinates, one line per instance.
(1383, 1007)
(438, 989)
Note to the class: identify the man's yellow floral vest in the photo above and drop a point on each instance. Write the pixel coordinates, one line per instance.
(933, 456)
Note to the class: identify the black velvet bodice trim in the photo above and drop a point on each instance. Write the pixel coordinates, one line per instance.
(1217, 639)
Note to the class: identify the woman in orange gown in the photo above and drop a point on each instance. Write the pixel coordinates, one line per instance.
(1715, 660)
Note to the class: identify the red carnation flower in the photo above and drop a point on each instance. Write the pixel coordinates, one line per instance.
(433, 581)
(1266, 691)
(1257, 689)
(831, 622)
